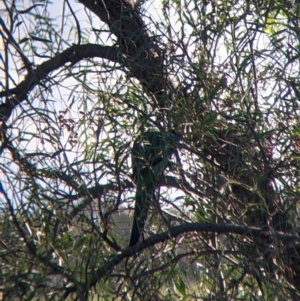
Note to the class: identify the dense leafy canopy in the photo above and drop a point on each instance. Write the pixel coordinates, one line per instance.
(81, 81)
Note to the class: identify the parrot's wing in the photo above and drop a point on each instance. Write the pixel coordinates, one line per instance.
(150, 155)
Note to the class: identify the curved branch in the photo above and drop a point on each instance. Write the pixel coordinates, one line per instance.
(71, 55)
(123, 20)
(144, 56)
(137, 51)
(175, 232)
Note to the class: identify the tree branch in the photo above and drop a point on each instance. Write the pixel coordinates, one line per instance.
(71, 55)
(145, 56)
(175, 232)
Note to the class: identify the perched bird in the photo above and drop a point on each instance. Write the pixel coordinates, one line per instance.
(151, 152)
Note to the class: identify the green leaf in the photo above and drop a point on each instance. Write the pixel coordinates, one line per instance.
(40, 39)
(25, 11)
(180, 287)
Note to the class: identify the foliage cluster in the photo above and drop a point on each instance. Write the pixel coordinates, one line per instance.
(79, 88)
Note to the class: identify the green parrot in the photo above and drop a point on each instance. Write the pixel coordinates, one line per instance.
(151, 152)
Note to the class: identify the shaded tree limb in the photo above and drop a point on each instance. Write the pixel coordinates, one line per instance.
(72, 55)
(175, 232)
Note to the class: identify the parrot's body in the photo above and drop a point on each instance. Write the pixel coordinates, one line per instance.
(150, 156)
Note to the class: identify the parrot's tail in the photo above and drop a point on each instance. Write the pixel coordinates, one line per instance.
(142, 204)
